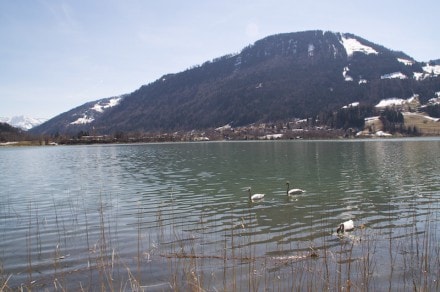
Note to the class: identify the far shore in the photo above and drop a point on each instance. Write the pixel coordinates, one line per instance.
(34, 143)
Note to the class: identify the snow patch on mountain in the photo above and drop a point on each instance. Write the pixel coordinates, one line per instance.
(352, 45)
(406, 62)
(419, 76)
(102, 105)
(311, 50)
(83, 120)
(345, 74)
(394, 75)
(428, 71)
(435, 100)
(353, 104)
(390, 102)
(397, 101)
(23, 122)
(432, 69)
(96, 110)
(224, 128)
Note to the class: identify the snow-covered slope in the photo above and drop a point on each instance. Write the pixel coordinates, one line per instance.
(23, 122)
(399, 102)
(99, 107)
(353, 45)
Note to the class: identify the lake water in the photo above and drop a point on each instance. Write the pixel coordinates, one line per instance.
(176, 216)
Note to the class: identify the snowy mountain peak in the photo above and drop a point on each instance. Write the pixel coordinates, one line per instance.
(23, 122)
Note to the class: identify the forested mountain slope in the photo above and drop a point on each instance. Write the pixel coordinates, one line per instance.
(284, 76)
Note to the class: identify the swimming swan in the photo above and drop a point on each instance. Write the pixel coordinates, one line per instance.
(345, 226)
(293, 191)
(255, 197)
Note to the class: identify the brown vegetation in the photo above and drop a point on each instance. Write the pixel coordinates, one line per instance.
(352, 264)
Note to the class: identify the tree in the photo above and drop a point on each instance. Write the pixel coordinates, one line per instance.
(392, 120)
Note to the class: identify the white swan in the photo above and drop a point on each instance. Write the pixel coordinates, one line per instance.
(255, 197)
(293, 191)
(345, 226)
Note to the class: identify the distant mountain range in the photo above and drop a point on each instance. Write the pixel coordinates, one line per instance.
(22, 122)
(284, 76)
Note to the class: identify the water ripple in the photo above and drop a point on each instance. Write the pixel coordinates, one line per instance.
(76, 206)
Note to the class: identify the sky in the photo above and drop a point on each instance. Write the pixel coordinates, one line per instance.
(56, 55)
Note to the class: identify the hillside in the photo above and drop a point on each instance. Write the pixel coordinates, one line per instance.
(285, 76)
(9, 133)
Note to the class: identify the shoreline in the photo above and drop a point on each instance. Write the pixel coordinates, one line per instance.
(31, 143)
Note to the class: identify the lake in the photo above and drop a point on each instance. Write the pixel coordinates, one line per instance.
(165, 217)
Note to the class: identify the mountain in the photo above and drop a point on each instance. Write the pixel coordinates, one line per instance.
(23, 122)
(283, 76)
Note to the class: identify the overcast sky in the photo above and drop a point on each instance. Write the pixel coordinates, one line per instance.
(58, 54)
